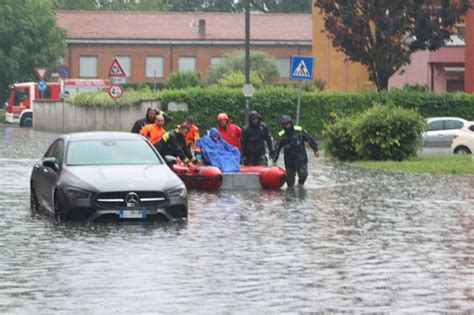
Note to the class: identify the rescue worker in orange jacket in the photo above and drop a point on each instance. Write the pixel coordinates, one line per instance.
(193, 135)
(155, 131)
(230, 132)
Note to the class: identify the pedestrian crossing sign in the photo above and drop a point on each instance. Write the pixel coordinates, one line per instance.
(301, 67)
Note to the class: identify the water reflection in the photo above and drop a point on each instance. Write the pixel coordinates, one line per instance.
(351, 240)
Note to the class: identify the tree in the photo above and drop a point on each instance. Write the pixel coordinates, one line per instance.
(29, 38)
(234, 62)
(383, 34)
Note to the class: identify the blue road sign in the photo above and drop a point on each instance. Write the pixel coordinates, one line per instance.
(42, 85)
(301, 67)
(64, 70)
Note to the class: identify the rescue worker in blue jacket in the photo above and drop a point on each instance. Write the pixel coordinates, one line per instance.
(292, 140)
(255, 135)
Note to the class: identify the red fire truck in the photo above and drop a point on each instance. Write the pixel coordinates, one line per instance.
(20, 103)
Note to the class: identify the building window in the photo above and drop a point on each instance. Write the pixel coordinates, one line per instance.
(461, 31)
(126, 63)
(215, 60)
(154, 67)
(88, 66)
(455, 85)
(187, 64)
(283, 64)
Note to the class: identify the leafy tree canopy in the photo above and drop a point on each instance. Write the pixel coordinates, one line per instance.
(383, 34)
(234, 62)
(29, 38)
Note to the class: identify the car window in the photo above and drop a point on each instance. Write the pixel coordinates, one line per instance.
(111, 152)
(58, 152)
(471, 127)
(51, 150)
(452, 124)
(435, 125)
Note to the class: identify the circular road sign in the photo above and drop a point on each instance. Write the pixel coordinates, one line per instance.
(248, 90)
(42, 85)
(64, 70)
(116, 91)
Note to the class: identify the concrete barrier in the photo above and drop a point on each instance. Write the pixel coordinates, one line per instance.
(241, 181)
(64, 117)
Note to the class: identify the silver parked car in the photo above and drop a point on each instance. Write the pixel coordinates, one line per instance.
(107, 176)
(441, 130)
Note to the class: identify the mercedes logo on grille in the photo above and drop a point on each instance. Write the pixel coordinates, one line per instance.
(132, 199)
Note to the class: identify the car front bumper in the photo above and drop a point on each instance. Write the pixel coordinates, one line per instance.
(83, 210)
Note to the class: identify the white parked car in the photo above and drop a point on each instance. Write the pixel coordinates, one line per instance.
(463, 140)
(441, 130)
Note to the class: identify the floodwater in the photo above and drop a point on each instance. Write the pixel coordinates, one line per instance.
(351, 240)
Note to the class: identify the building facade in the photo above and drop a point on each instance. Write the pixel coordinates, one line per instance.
(151, 45)
(450, 68)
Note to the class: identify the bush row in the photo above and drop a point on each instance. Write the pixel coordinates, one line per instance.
(318, 109)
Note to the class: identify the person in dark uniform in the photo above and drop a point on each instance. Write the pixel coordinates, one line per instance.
(254, 137)
(151, 113)
(174, 143)
(292, 140)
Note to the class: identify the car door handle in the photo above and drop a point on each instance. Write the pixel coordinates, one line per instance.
(45, 171)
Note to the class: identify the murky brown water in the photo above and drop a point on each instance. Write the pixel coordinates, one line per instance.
(351, 241)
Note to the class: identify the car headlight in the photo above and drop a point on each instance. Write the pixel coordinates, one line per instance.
(178, 191)
(76, 193)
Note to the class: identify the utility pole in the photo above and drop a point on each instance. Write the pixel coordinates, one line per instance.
(247, 55)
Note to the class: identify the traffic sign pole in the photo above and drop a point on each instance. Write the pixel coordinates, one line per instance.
(298, 107)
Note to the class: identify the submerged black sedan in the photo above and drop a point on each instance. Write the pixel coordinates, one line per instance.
(107, 176)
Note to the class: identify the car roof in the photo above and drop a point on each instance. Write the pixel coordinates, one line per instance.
(444, 118)
(101, 135)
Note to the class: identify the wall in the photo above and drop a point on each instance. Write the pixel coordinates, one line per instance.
(469, 53)
(63, 117)
(330, 65)
(417, 72)
(170, 54)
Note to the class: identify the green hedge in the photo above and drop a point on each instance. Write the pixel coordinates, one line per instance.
(318, 109)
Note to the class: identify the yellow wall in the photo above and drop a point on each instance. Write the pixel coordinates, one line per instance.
(330, 65)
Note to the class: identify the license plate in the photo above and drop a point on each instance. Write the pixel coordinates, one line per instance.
(132, 214)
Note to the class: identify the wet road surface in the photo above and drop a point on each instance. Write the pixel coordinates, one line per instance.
(351, 240)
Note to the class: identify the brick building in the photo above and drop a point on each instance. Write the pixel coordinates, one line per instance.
(150, 45)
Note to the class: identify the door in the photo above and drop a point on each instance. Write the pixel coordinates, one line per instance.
(450, 127)
(48, 177)
(434, 133)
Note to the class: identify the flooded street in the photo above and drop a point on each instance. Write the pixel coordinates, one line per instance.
(351, 240)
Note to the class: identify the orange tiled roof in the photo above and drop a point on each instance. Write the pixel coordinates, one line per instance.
(92, 25)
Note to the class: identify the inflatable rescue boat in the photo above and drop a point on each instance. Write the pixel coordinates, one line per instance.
(211, 178)
(271, 177)
(199, 177)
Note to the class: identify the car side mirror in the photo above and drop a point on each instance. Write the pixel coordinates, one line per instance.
(170, 160)
(50, 162)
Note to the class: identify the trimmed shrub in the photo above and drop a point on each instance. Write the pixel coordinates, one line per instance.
(182, 80)
(339, 140)
(383, 132)
(388, 133)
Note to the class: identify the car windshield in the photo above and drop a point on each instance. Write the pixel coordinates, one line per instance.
(110, 152)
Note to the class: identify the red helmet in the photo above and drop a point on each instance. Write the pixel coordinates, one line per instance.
(222, 116)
